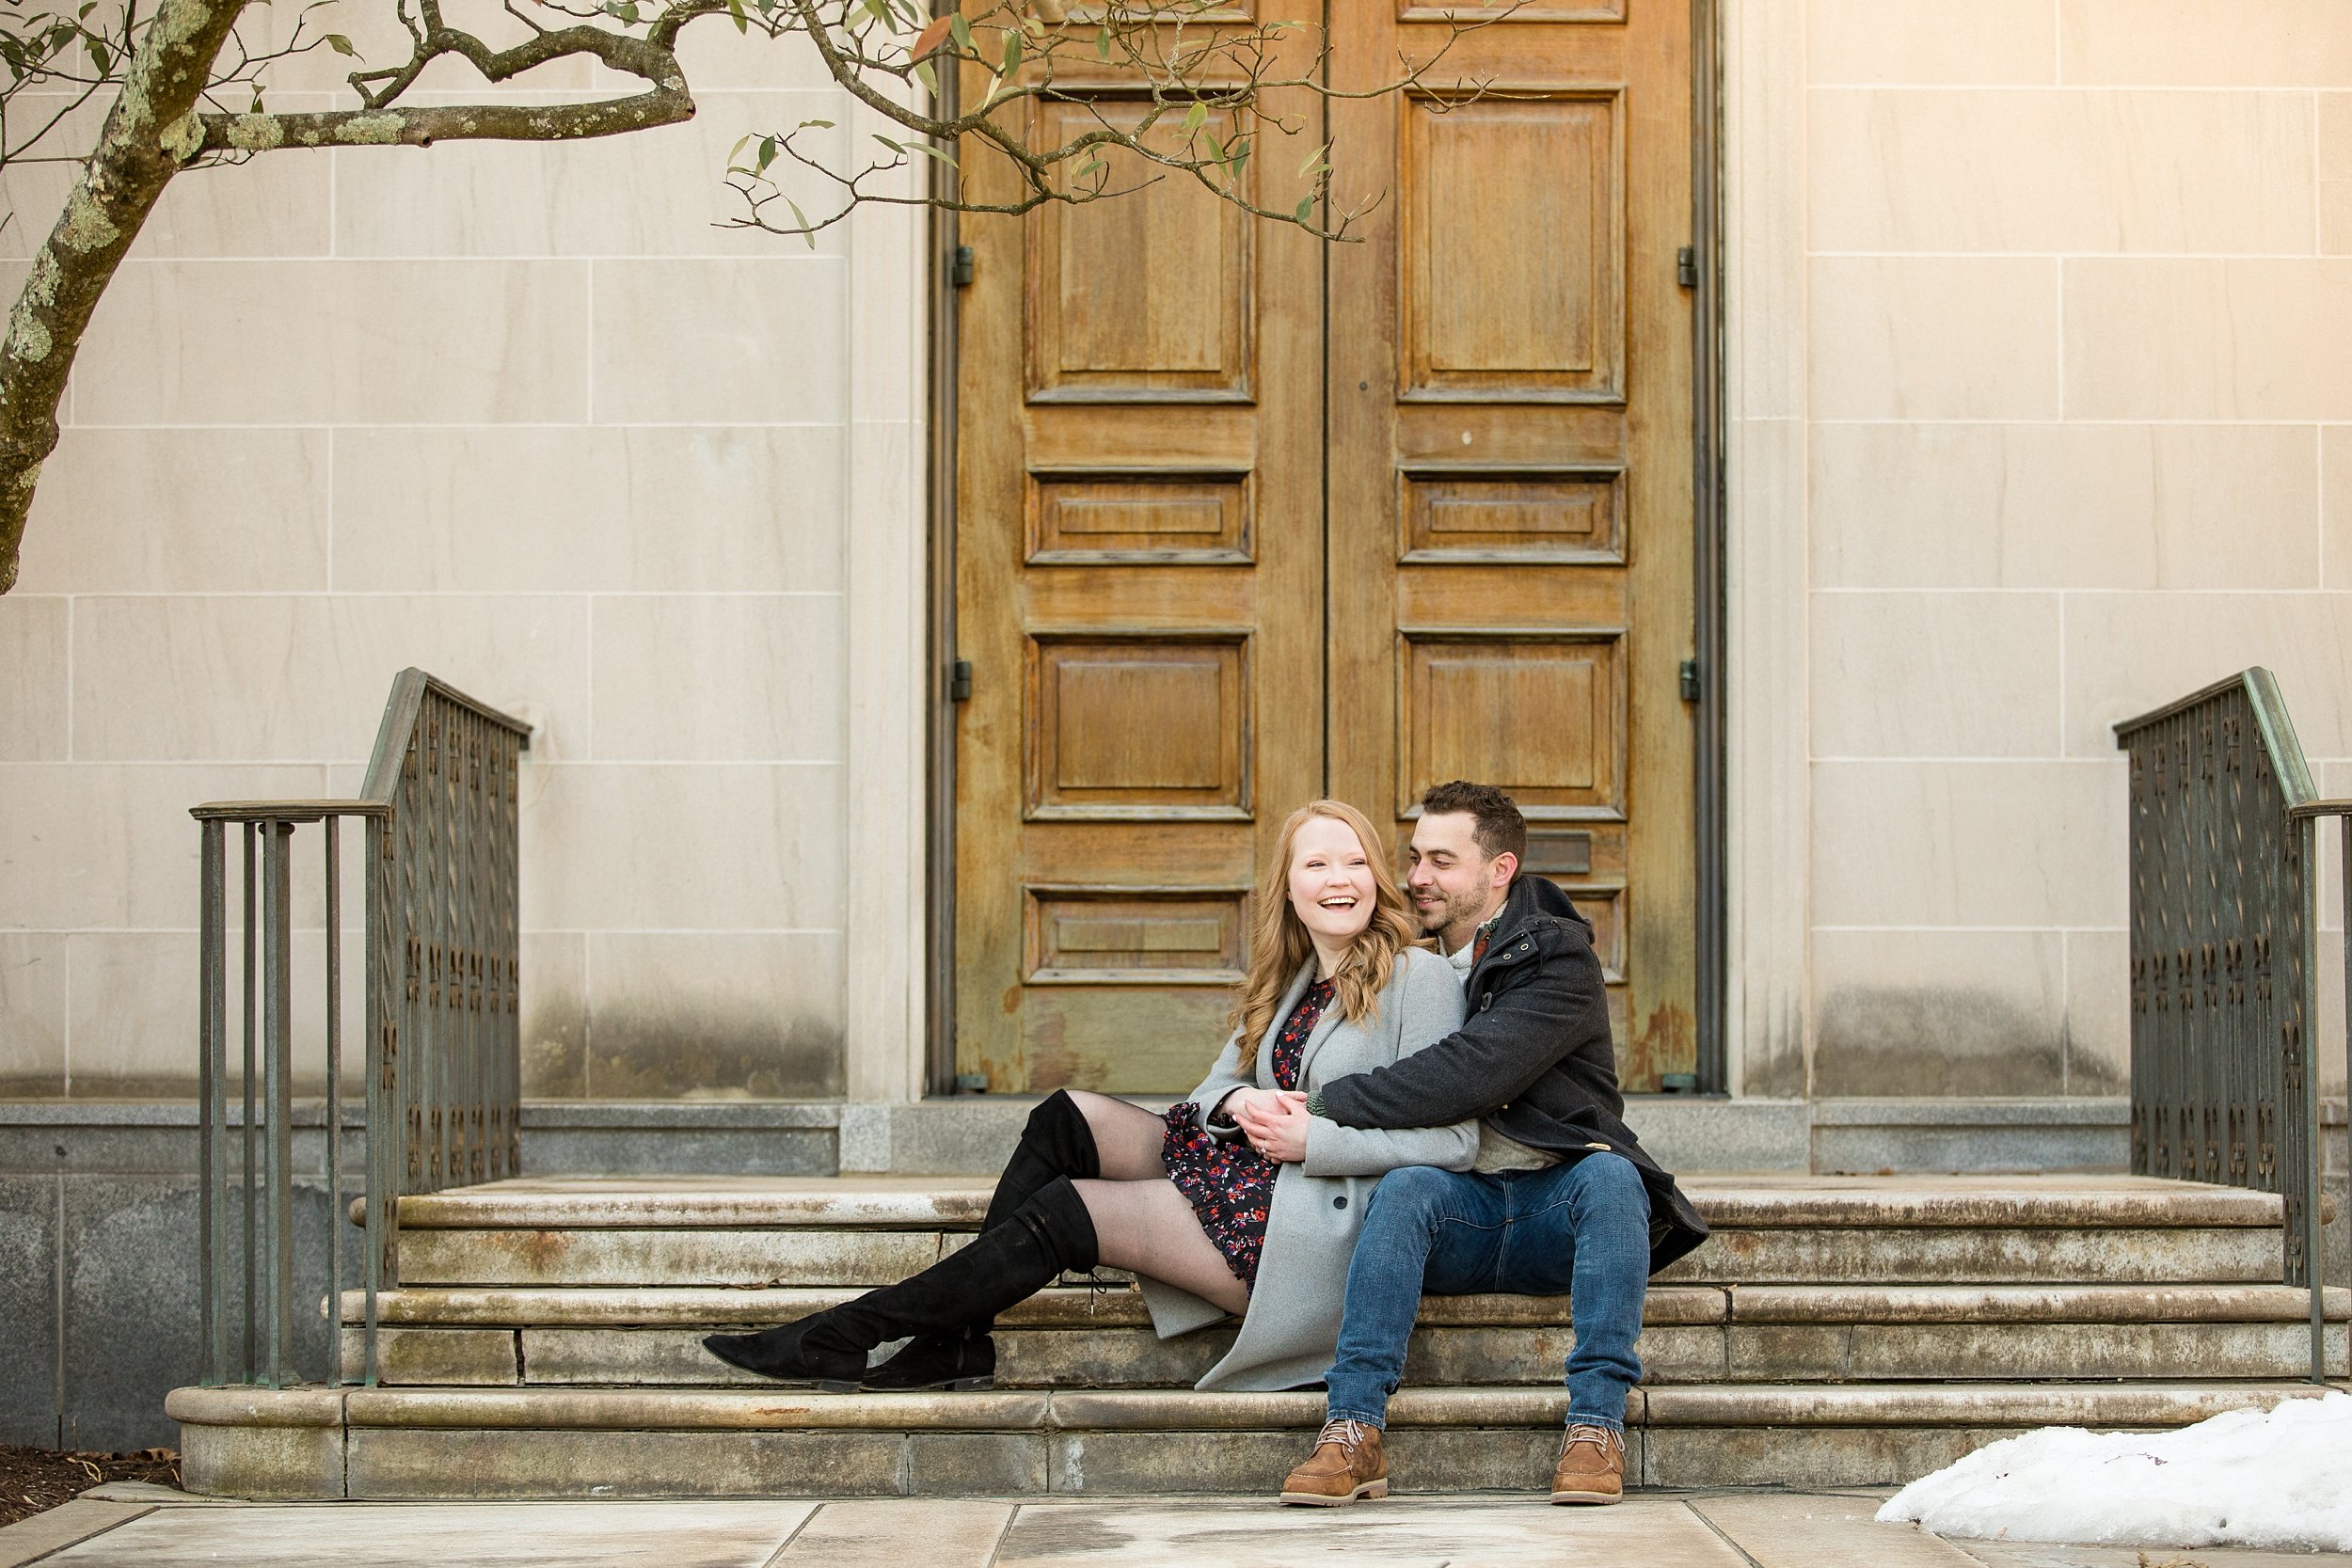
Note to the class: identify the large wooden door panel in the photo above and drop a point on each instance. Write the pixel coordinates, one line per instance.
(1138, 589)
(1510, 543)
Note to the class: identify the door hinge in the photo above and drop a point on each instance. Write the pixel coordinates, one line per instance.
(961, 270)
(1689, 680)
(960, 681)
(1687, 267)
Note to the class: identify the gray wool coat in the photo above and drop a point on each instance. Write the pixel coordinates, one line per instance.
(1293, 1325)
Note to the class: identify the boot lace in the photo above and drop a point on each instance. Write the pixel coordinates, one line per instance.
(1346, 1431)
(1599, 1437)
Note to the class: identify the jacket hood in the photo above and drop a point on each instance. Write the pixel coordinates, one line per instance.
(1534, 895)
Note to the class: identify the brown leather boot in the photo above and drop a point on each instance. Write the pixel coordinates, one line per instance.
(1347, 1464)
(1590, 1467)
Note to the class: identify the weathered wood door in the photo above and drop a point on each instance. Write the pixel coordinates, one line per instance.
(1510, 557)
(1243, 518)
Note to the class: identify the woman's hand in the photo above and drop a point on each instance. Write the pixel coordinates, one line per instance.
(1239, 1100)
(1275, 1124)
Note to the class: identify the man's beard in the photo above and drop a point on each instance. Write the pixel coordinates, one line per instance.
(1453, 908)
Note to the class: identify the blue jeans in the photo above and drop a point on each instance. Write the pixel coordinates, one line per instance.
(1581, 1230)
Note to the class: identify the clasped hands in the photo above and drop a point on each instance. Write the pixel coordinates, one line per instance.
(1274, 1120)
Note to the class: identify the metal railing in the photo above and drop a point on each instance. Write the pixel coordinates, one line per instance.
(442, 971)
(2225, 966)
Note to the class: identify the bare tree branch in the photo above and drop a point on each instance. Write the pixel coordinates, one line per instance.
(149, 134)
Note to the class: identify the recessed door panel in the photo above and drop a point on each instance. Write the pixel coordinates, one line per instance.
(1147, 296)
(1513, 249)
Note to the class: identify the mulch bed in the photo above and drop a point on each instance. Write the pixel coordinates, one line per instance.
(32, 1480)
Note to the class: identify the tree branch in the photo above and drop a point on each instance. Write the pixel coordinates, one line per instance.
(382, 122)
(150, 134)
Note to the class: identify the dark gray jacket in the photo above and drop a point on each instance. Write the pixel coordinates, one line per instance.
(1532, 1059)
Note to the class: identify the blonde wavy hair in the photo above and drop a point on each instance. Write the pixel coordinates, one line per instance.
(1279, 943)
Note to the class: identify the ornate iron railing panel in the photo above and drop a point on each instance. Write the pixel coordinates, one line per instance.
(443, 975)
(2224, 1013)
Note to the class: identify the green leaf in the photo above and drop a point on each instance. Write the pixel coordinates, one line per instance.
(802, 218)
(817, 125)
(898, 147)
(1102, 42)
(930, 78)
(767, 154)
(342, 45)
(1195, 117)
(1216, 148)
(1306, 209)
(929, 152)
(736, 150)
(1313, 159)
(960, 30)
(743, 22)
(1012, 53)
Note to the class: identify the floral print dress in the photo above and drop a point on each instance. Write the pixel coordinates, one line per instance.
(1230, 1184)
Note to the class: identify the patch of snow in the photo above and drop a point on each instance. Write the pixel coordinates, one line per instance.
(2280, 1479)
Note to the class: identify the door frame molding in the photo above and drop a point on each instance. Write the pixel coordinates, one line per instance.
(1709, 587)
(1710, 590)
(939, 850)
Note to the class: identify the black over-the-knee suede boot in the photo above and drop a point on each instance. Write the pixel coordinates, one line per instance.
(1047, 1236)
(1058, 1142)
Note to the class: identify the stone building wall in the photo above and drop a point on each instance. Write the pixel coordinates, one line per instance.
(523, 417)
(2042, 365)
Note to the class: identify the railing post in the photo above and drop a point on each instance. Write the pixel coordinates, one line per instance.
(2316, 1163)
(335, 1213)
(212, 1115)
(277, 1073)
(251, 1082)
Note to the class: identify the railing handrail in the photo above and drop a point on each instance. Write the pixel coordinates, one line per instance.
(2179, 951)
(2271, 722)
(401, 712)
(442, 940)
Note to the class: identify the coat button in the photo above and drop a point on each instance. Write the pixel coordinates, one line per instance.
(1339, 1203)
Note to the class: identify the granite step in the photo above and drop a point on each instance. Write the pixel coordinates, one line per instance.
(1076, 1338)
(477, 1443)
(783, 1232)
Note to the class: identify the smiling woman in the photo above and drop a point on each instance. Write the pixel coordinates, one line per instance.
(1202, 1207)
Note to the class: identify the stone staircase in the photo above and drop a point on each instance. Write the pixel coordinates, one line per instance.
(1836, 1331)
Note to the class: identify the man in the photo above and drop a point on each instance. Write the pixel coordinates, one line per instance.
(1562, 1198)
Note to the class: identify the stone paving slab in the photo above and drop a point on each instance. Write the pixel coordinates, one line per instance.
(1516, 1530)
(33, 1538)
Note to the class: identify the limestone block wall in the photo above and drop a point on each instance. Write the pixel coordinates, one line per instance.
(523, 417)
(2042, 363)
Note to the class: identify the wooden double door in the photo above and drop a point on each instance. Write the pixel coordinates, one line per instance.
(1245, 518)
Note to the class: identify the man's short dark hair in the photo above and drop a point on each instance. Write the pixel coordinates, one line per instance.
(1498, 825)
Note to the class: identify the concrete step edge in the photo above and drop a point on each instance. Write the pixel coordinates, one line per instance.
(592, 1307)
(958, 1203)
(1180, 1410)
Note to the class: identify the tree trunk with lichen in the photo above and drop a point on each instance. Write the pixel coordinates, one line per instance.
(150, 135)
